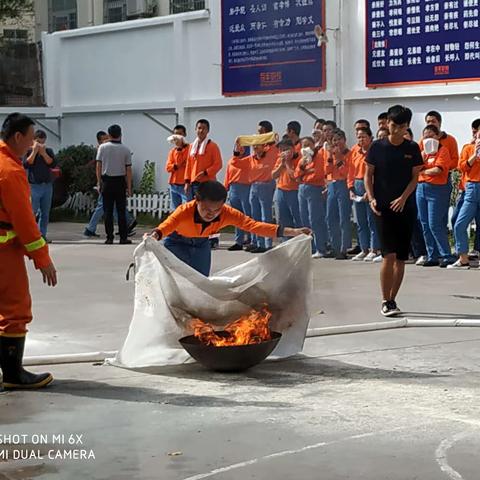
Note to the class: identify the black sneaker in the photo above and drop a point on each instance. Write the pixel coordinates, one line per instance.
(125, 242)
(329, 254)
(444, 263)
(258, 250)
(355, 250)
(109, 241)
(235, 248)
(389, 308)
(341, 256)
(250, 247)
(431, 263)
(90, 234)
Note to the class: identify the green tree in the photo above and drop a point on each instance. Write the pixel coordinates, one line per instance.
(12, 9)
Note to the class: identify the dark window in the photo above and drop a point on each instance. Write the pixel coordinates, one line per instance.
(15, 36)
(62, 15)
(114, 11)
(180, 6)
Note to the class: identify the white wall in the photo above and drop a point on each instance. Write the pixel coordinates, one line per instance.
(170, 67)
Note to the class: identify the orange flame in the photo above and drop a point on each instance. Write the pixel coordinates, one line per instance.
(248, 329)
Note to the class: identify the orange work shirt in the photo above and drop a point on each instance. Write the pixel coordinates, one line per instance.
(356, 148)
(238, 171)
(208, 163)
(465, 154)
(357, 166)
(442, 160)
(317, 177)
(186, 221)
(450, 143)
(287, 181)
(17, 222)
(261, 167)
(176, 164)
(337, 172)
(472, 173)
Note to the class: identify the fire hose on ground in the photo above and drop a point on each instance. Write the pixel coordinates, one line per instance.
(94, 357)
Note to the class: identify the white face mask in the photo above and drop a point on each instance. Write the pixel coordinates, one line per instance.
(307, 152)
(430, 146)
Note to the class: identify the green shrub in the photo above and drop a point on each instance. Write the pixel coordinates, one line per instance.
(147, 183)
(77, 163)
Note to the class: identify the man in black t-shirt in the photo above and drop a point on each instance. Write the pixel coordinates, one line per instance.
(393, 165)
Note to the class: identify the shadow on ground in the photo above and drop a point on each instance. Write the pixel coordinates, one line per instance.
(289, 373)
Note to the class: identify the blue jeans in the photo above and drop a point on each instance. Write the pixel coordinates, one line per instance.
(238, 196)
(313, 212)
(42, 194)
(261, 203)
(195, 252)
(288, 209)
(192, 191)
(456, 211)
(366, 226)
(339, 211)
(432, 202)
(177, 195)
(470, 210)
(98, 214)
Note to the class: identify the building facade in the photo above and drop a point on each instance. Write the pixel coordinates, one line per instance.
(155, 72)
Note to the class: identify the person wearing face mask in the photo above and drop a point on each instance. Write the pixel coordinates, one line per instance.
(366, 228)
(287, 185)
(417, 245)
(310, 172)
(339, 206)
(176, 164)
(433, 199)
(471, 205)
(186, 231)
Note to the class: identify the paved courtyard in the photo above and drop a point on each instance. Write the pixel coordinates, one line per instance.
(397, 404)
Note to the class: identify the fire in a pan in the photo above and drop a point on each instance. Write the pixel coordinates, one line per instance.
(240, 345)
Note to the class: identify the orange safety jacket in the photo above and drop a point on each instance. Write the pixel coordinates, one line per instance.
(17, 221)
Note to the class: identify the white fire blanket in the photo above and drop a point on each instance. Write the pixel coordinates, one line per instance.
(169, 293)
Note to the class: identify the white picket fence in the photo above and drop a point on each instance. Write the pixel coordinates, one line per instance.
(157, 204)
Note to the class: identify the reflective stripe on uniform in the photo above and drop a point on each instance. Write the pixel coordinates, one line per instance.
(7, 237)
(36, 245)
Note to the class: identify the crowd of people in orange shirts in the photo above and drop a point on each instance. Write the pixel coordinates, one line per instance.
(317, 181)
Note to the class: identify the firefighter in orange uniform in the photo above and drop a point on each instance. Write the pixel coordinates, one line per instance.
(19, 236)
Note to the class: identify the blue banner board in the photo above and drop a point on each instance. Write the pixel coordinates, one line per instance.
(422, 41)
(270, 46)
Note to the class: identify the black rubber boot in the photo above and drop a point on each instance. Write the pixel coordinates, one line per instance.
(14, 375)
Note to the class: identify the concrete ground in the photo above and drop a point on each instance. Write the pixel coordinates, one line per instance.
(399, 404)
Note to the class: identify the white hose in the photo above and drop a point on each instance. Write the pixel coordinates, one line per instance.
(92, 357)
